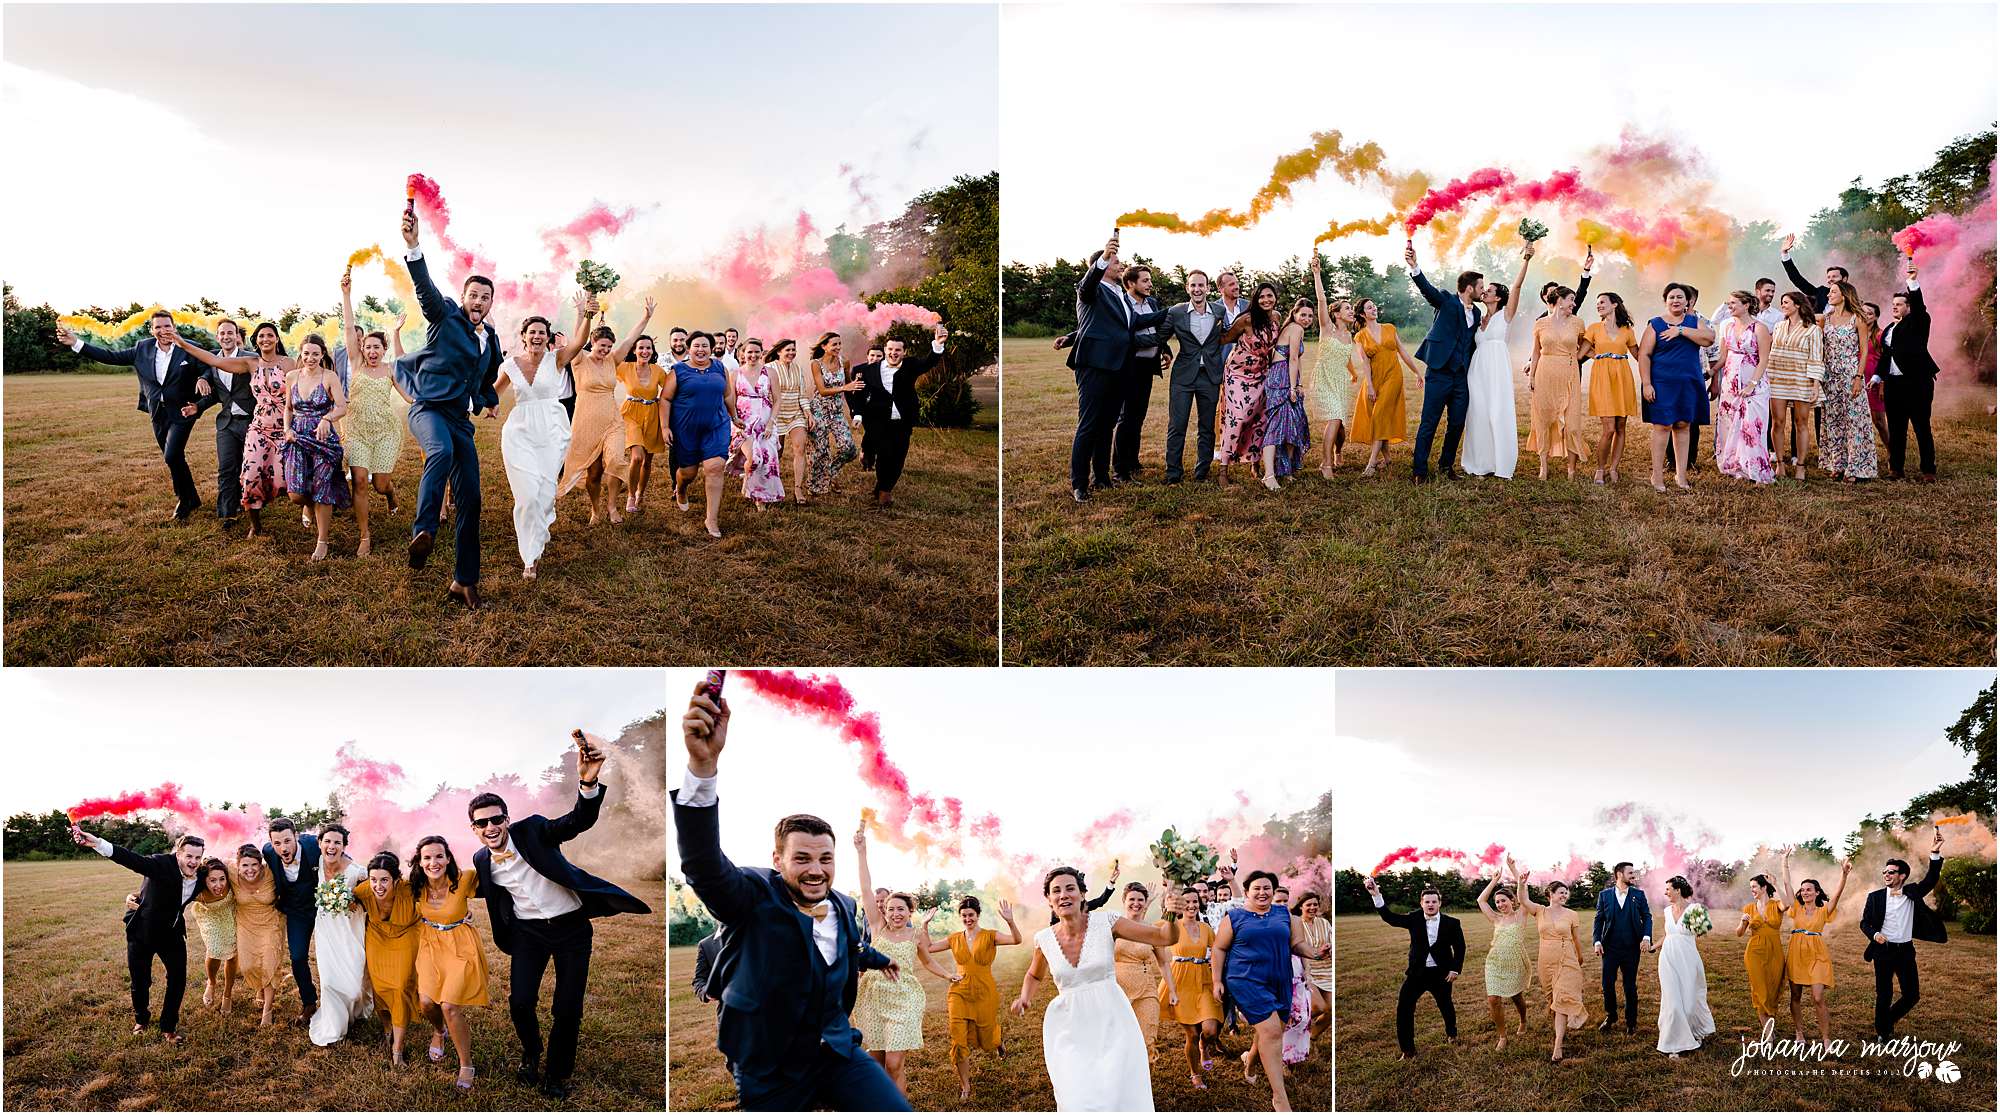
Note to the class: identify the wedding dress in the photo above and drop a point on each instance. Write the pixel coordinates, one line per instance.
(1090, 1038)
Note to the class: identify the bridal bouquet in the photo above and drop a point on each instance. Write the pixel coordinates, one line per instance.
(334, 896)
(595, 277)
(1182, 860)
(1696, 920)
(1532, 230)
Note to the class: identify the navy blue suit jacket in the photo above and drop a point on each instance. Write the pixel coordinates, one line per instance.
(1449, 343)
(1105, 324)
(450, 371)
(1621, 930)
(295, 899)
(539, 841)
(768, 963)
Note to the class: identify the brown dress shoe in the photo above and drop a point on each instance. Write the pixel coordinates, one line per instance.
(468, 594)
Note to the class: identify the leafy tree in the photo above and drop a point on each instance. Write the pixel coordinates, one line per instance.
(1818, 844)
(1972, 734)
(290, 317)
(30, 344)
(1972, 882)
(849, 255)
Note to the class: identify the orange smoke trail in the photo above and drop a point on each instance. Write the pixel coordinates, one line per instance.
(1326, 152)
(1338, 229)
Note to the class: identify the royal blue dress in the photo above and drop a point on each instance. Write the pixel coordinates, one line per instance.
(1259, 975)
(699, 420)
(1680, 394)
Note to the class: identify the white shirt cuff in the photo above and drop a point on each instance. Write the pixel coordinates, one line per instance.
(104, 847)
(1586, 273)
(697, 792)
(1911, 285)
(589, 792)
(413, 254)
(937, 347)
(1786, 256)
(76, 344)
(1377, 899)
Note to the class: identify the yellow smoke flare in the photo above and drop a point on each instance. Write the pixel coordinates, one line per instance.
(1338, 229)
(1326, 152)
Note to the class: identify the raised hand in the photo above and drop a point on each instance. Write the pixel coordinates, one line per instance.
(1410, 255)
(704, 730)
(589, 757)
(400, 319)
(1111, 251)
(650, 304)
(1790, 239)
(347, 280)
(1369, 885)
(1114, 872)
(1937, 841)
(410, 229)
(81, 838)
(939, 333)
(581, 301)
(63, 336)
(1006, 909)
(1315, 256)
(1589, 256)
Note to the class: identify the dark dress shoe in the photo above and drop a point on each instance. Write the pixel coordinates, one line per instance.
(529, 1075)
(1081, 495)
(420, 548)
(1631, 1028)
(1420, 478)
(1449, 474)
(466, 594)
(884, 499)
(1604, 1027)
(1927, 478)
(556, 1089)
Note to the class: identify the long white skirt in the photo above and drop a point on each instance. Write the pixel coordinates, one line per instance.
(340, 944)
(1095, 1052)
(533, 444)
(1492, 439)
(1684, 1017)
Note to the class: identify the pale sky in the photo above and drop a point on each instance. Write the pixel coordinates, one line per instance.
(1049, 751)
(149, 169)
(270, 735)
(1222, 91)
(1526, 758)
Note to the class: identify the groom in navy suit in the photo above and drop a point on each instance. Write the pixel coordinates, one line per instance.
(292, 858)
(541, 907)
(447, 381)
(1447, 355)
(1623, 929)
(792, 950)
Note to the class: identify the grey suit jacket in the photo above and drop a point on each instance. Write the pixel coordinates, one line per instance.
(1195, 361)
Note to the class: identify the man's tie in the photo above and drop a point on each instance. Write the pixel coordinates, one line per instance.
(502, 857)
(817, 911)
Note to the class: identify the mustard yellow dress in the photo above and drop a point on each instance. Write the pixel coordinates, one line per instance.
(1138, 974)
(451, 967)
(1555, 413)
(1193, 978)
(1614, 371)
(392, 950)
(261, 953)
(641, 408)
(1806, 960)
(1556, 963)
(973, 1003)
(1764, 955)
(372, 432)
(596, 433)
(1385, 367)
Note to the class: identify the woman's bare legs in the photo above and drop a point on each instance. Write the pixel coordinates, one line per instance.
(358, 482)
(796, 444)
(712, 477)
(635, 467)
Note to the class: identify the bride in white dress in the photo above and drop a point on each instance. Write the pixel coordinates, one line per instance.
(1096, 1055)
(1492, 437)
(340, 945)
(535, 438)
(1685, 1021)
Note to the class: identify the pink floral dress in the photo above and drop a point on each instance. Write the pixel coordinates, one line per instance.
(754, 451)
(1743, 414)
(1243, 412)
(263, 472)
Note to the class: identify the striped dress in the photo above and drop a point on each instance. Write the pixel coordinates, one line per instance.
(1796, 365)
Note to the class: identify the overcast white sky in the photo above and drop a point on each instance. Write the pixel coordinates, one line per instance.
(1526, 758)
(167, 152)
(270, 735)
(1184, 107)
(1049, 751)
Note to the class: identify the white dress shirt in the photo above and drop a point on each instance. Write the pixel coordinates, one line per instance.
(1431, 924)
(229, 378)
(162, 356)
(535, 894)
(103, 848)
(1897, 918)
(291, 870)
(699, 793)
(1200, 322)
(1888, 336)
(889, 379)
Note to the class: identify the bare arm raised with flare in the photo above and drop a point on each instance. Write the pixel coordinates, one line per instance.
(867, 896)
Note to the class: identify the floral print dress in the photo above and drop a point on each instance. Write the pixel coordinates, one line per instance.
(1847, 444)
(263, 472)
(1743, 414)
(754, 454)
(315, 467)
(1243, 412)
(832, 440)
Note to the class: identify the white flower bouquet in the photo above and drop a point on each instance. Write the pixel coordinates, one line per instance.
(1532, 230)
(1695, 918)
(334, 896)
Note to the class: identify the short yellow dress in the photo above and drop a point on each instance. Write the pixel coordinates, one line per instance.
(1764, 955)
(1193, 978)
(392, 950)
(451, 967)
(644, 384)
(261, 955)
(1138, 974)
(216, 919)
(1385, 367)
(1806, 960)
(1555, 413)
(372, 432)
(890, 1013)
(1556, 963)
(973, 1003)
(1614, 371)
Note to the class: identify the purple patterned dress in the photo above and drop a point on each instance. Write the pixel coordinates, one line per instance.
(315, 468)
(1285, 424)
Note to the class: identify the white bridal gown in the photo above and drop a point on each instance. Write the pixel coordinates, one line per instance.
(340, 944)
(1492, 442)
(1090, 1037)
(533, 443)
(1684, 1018)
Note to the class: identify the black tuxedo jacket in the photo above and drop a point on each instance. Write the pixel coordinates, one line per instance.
(876, 400)
(1908, 343)
(1925, 925)
(766, 967)
(183, 372)
(1449, 952)
(539, 841)
(161, 915)
(1815, 292)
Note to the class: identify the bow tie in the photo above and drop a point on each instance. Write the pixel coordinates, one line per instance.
(502, 857)
(817, 911)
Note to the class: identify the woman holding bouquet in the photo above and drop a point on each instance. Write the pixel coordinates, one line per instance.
(1507, 964)
(391, 910)
(1559, 956)
(1807, 963)
(261, 951)
(339, 941)
(451, 966)
(1685, 1021)
(1764, 956)
(1188, 991)
(597, 432)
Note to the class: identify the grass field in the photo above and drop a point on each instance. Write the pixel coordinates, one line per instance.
(69, 1020)
(1358, 571)
(697, 1080)
(1613, 1072)
(94, 577)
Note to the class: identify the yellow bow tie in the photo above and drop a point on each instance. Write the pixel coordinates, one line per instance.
(502, 857)
(817, 912)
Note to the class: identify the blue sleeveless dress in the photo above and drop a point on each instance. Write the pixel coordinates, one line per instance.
(699, 421)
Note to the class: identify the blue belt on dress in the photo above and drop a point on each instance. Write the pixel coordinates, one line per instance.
(1610, 356)
(466, 920)
(641, 402)
(1804, 933)
(1190, 959)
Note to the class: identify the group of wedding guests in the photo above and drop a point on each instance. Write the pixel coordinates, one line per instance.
(1542, 943)
(833, 1027)
(324, 426)
(385, 945)
(1814, 374)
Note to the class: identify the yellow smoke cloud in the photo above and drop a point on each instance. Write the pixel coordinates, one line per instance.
(1327, 152)
(1375, 227)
